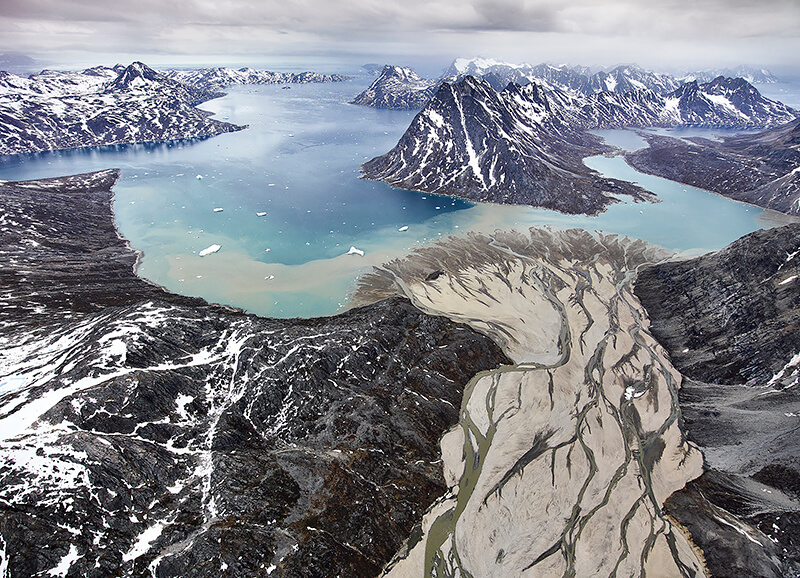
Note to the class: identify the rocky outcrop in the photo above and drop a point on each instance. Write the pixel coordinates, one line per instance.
(58, 111)
(730, 322)
(144, 433)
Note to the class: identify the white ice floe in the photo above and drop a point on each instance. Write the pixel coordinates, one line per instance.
(354, 251)
(210, 249)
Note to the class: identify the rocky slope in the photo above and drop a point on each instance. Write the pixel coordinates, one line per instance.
(144, 433)
(101, 106)
(762, 169)
(398, 88)
(221, 77)
(508, 147)
(730, 322)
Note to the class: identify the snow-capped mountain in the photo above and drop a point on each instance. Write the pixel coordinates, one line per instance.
(524, 145)
(100, 106)
(218, 78)
(507, 147)
(399, 88)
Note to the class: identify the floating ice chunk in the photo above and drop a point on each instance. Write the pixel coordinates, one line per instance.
(354, 251)
(403, 228)
(261, 214)
(218, 209)
(210, 249)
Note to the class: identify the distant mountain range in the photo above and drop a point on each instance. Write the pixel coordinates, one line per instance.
(394, 89)
(218, 78)
(105, 106)
(525, 144)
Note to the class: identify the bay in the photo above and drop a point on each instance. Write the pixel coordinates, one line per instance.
(284, 201)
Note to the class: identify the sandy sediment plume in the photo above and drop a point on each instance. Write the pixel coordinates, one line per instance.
(560, 463)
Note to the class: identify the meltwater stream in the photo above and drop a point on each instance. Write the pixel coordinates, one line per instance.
(284, 201)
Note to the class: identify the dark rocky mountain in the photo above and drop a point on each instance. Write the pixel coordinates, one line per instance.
(525, 145)
(148, 434)
(398, 88)
(730, 323)
(762, 169)
(219, 78)
(508, 147)
(101, 106)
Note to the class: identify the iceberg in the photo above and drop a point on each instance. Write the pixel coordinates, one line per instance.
(210, 249)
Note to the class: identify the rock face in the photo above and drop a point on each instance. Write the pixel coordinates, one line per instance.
(508, 147)
(762, 169)
(101, 106)
(145, 433)
(219, 78)
(397, 88)
(730, 322)
(560, 464)
(524, 145)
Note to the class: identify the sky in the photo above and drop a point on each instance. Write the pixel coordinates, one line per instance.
(665, 35)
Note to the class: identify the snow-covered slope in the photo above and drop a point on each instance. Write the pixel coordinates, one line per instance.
(100, 106)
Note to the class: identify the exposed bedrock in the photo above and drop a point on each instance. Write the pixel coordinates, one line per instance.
(731, 322)
(148, 434)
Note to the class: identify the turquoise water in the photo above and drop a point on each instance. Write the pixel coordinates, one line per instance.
(284, 202)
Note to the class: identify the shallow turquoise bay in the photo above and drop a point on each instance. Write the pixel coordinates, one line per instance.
(284, 201)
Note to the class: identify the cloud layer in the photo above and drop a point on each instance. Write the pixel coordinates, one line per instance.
(687, 28)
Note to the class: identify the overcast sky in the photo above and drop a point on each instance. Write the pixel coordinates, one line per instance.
(427, 33)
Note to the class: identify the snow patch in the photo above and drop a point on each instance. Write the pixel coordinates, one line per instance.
(62, 567)
(143, 542)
